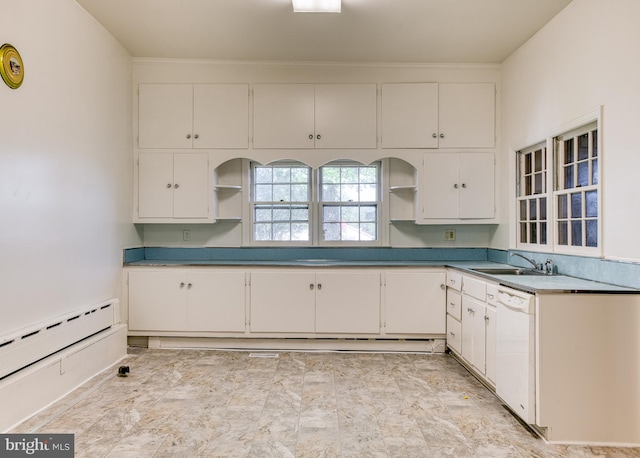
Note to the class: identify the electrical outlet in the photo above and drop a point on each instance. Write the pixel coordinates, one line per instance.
(186, 235)
(449, 234)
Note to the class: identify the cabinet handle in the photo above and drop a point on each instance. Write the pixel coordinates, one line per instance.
(189, 285)
(486, 318)
(318, 137)
(455, 185)
(196, 136)
(181, 284)
(441, 135)
(310, 285)
(319, 285)
(188, 135)
(442, 286)
(434, 135)
(169, 185)
(176, 185)
(453, 282)
(452, 304)
(464, 185)
(490, 296)
(310, 136)
(452, 334)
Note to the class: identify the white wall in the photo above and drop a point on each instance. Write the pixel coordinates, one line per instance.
(586, 57)
(228, 234)
(65, 164)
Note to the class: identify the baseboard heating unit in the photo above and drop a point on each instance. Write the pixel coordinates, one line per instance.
(42, 362)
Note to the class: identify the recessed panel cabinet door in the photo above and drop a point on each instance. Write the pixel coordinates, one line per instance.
(477, 195)
(157, 301)
(220, 116)
(439, 187)
(283, 116)
(191, 185)
(165, 113)
(155, 185)
(283, 301)
(345, 116)
(415, 303)
(348, 302)
(410, 115)
(215, 301)
(467, 115)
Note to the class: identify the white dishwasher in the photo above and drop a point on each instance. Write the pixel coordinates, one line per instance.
(515, 351)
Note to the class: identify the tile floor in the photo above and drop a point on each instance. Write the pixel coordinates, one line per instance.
(206, 403)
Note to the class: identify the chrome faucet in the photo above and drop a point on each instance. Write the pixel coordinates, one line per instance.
(530, 261)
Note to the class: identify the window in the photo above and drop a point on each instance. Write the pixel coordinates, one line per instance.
(577, 188)
(281, 202)
(532, 196)
(558, 194)
(349, 202)
(285, 204)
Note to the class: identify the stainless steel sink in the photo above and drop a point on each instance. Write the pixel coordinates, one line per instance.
(508, 271)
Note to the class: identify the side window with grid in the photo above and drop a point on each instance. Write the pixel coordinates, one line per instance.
(280, 202)
(349, 202)
(577, 188)
(532, 196)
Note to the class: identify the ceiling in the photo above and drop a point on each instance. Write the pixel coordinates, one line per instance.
(402, 31)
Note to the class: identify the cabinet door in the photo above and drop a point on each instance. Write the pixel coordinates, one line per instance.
(415, 302)
(473, 332)
(157, 301)
(283, 116)
(191, 185)
(476, 186)
(283, 301)
(439, 187)
(221, 116)
(155, 185)
(215, 301)
(348, 302)
(409, 115)
(345, 116)
(490, 357)
(467, 115)
(165, 113)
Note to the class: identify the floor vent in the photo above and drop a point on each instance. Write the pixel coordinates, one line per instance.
(264, 355)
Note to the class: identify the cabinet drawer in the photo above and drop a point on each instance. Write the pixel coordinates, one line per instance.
(474, 288)
(454, 334)
(454, 280)
(454, 304)
(492, 294)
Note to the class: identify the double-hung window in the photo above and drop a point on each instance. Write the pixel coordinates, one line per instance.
(334, 204)
(558, 194)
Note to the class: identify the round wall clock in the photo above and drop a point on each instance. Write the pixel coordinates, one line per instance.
(11, 66)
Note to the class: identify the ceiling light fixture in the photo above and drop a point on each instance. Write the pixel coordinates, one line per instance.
(316, 6)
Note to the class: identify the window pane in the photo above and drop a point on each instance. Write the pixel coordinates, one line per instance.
(594, 171)
(262, 231)
(299, 175)
(330, 174)
(591, 198)
(576, 233)
(523, 232)
(349, 175)
(281, 192)
(263, 193)
(368, 175)
(368, 192)
(538, 161)
(568, 177)
(299, 192)
(527, 186)
(331, 214)
(533, 227)
(592, 232)
(349, 214)
(583, 147)
(568, 151)
(349, 193)
(368, 213)
(281, 174)
(538, 183)
(281, 214)
(331, 193)
(562, 206)
(543, 208)
(583, 174)
(543, 233)
(281, 231)
(299, 231)
(576, 205)
(594, 143)
(527, 163)
(523, 210)
(262, 214)
(563, 234)
(300, 214)
(350, 231)
(331, 231)
(368, 231)
(263, 174)
(533, 214)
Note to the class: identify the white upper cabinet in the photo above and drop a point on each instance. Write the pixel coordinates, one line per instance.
(438, 115)
(299, 116)
(457, 186)
(193, 116)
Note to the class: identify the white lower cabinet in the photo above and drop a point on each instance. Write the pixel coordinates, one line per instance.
(181, 300)
(288, 301)
(415, 302)
(471, 322)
